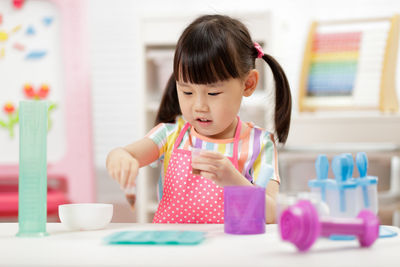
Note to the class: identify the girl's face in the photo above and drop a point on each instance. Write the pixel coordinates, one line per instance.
(212, 108)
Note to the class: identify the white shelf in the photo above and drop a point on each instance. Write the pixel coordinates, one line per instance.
(344, 127)
(345, 115)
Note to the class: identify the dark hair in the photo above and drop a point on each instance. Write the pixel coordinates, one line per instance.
(217, 48)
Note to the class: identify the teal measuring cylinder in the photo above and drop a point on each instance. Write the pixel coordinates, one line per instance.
(32, 183)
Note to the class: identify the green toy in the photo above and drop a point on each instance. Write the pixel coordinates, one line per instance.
(32, 184)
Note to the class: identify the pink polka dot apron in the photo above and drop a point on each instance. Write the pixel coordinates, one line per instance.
(189, 198)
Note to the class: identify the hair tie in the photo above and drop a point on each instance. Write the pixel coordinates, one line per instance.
(259, 50)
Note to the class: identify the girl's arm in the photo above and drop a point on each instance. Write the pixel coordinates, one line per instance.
(271, 193)
(123, 163)
(144, 150)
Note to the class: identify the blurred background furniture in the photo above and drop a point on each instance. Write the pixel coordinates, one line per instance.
(63, 66)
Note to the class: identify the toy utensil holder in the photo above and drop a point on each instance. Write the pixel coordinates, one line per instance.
(344, 195)
(244, 210)
(341, 195)
(32, 183)
(300, 225)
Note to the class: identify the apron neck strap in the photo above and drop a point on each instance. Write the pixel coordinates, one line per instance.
(181, 134)
(235, 142)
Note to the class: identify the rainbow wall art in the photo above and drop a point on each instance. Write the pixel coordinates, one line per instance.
(334, 60)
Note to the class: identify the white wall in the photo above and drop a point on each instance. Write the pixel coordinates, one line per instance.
(113, 27)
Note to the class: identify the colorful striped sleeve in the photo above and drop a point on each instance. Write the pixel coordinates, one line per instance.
(164, 135)
(159, 134)
(265, 167)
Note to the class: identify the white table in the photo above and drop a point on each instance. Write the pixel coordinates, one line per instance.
(85, 248)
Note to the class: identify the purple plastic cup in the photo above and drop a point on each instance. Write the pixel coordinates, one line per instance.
(244, 210)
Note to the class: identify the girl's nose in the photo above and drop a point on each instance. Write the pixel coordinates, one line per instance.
(201, 104)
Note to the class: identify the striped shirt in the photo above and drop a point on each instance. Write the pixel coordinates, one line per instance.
(256, 148)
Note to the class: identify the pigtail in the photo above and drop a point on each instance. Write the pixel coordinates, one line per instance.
(169, 107)
(283, 99)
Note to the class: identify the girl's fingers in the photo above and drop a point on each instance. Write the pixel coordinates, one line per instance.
(125, 167)
(124, 172)
(132, 177)
(129, 174)
(206, 160)
(122, 180)
(117, 175)
(210, 155)
(209, 175)
(205, 167)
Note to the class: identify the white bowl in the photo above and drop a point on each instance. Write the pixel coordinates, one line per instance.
(85, 216)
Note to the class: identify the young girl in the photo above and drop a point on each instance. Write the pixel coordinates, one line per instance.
(214, 67)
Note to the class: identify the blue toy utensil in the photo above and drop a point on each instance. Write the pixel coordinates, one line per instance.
(322, 168)
(351, 164)
(362, 165)
(340, 168)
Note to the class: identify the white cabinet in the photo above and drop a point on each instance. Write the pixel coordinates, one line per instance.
(158, 39)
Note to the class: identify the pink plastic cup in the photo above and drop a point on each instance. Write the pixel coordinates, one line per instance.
(244, 210)
(196, 153)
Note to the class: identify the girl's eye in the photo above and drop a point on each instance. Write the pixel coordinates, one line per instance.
(187, 93)
(213, 94)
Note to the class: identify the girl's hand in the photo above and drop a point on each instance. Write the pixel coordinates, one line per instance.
(122, 167)
(218, 168)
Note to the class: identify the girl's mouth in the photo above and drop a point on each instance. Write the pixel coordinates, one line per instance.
(203, 121)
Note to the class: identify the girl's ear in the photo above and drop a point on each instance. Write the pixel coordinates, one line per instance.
(251, 82)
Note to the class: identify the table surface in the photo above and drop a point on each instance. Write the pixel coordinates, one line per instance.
(87, 248)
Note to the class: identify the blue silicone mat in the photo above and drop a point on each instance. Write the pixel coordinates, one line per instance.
(155, 238)
(384, 232)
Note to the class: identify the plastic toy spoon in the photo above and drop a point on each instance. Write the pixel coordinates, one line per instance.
(351, 164)
(322, 167)
(362, 163)
(340, 167)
